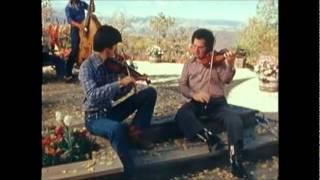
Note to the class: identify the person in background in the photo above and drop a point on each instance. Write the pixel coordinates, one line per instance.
(48, 57)
(75, 14)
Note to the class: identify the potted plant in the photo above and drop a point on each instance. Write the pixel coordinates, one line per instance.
(268, 70)
(155, 53)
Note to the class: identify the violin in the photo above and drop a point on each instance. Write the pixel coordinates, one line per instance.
(119, 65)
(218, 57)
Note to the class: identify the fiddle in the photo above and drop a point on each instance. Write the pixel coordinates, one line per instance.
(217, 57)
(119, 65)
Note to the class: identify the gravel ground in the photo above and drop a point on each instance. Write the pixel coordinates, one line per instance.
(67, 98)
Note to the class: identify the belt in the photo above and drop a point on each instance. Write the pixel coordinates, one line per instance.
(96, 113)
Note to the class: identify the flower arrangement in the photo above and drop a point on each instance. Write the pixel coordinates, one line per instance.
(57, 38)
(267, 68)
(155, 51)
(63, 53)
(64, 144)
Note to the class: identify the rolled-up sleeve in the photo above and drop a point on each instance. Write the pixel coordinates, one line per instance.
(184, 82)
(68, 14)
(93, 92)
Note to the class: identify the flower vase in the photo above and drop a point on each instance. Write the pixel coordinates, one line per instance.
(155, 58)
(268, 84)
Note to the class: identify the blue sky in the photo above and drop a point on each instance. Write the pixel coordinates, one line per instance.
(237, 10)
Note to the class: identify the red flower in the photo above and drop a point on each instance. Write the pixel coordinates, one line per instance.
(59, 131)
(53, 32)
(50, 150)
(45, 141)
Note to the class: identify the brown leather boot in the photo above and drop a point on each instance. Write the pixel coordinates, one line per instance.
(137, 138)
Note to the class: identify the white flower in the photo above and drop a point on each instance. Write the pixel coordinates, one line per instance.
(267, 67)
(154, 51)
(75, 129)
(67, 120)
(267, 72)
(59, 117)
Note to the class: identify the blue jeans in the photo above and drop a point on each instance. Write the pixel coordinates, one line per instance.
(109, 125)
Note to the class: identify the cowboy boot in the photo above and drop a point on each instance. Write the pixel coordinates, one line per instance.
(138, 139)
(237, 169)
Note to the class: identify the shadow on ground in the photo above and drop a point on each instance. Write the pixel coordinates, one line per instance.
(234, 84)
(163, 76)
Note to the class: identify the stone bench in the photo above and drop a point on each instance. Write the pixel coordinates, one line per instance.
(171, 147)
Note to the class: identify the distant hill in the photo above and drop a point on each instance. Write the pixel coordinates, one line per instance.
(143, 22)
(226, 31)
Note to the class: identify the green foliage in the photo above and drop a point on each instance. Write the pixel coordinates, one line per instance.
(64, 144)
(46, 11)
(138, 46)
(161, 24)
(171, 39)
(260, 36)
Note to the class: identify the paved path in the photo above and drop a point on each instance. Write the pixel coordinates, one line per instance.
(244, 89)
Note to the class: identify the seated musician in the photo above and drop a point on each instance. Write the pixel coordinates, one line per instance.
(48, 57)
(101, 85)
(204, 85)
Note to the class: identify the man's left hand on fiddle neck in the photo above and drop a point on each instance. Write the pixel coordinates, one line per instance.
(230, 58)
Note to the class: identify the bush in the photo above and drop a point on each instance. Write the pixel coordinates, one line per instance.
(260, 36)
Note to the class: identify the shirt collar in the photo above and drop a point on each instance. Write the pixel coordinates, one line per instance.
(96, 61)
(193, 59)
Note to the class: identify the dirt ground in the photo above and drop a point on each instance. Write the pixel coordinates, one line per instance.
(67, 98)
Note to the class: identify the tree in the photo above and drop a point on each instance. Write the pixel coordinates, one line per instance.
(179, 43)
(261, 33)
(161, 24)
(46, 11)
(121, 22)
(267, 12)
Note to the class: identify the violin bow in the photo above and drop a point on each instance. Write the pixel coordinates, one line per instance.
(210, 71)
(128, 71)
